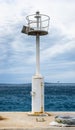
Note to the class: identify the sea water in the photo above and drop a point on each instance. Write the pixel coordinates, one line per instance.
(58, 97)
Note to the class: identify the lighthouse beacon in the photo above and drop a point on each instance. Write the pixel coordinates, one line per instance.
(38, 25)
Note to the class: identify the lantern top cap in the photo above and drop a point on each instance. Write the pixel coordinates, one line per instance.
(37, 12)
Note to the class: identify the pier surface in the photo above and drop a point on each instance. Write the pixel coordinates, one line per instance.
(23, 121)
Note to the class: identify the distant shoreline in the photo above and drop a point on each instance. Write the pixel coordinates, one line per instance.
(31, 83)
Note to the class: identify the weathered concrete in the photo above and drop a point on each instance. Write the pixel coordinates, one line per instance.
(21, 121)
(67, 128)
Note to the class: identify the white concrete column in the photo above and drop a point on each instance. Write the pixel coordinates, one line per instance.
(37, 94)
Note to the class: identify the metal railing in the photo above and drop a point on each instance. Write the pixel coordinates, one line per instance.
(43, 22)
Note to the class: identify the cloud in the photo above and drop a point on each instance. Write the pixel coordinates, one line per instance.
(62, 77)
(57, 49)
(17, 51)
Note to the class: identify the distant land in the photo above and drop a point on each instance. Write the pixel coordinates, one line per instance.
(47, 83)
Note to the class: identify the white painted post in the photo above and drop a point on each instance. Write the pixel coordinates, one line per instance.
(37, 26)
(37, 80)
(37, 55)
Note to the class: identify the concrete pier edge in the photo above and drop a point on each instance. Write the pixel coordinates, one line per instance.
(21, 121)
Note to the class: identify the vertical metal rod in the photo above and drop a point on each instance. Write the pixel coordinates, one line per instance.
(37, 23)
(37, 19)
(40, 23)
(37, 54)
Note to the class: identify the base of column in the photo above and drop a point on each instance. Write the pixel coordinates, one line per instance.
(39, 114)
(37, 95)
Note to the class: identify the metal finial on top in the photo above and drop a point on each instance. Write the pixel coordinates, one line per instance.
(37, 12)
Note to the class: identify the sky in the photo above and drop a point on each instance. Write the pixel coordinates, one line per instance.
(57, 49)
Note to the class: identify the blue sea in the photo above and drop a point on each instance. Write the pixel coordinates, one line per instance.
(58, 97)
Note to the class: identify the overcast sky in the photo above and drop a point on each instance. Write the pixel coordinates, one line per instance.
(17, 51)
